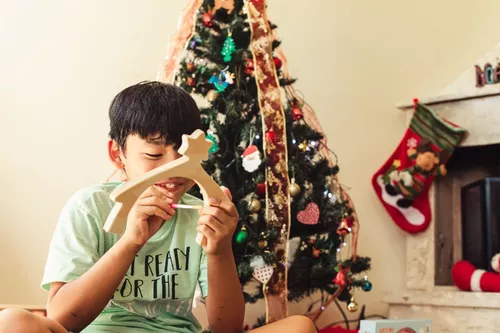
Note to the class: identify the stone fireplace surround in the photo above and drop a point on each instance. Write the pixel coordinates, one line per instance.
(478, 110)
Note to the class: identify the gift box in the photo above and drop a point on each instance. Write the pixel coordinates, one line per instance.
(396, 326)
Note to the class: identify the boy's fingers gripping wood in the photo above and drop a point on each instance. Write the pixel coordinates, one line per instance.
(161, 202)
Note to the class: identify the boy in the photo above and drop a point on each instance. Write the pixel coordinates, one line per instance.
(145, 279)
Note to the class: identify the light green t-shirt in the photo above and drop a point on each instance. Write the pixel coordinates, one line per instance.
(157, 292)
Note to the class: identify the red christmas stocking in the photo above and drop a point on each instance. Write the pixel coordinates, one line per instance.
(403, 182)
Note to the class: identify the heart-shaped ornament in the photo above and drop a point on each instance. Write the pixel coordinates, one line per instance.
(261, 271)
(263, 274)
(310, 215)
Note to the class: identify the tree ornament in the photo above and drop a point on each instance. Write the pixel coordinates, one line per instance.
(261, 271)
(255, 205)
(310, 215)
(207, 19)
(212, 95)
(242, 235)
(228, 48)
(303, 146)
(343, 228)
(191, 81)
(277, 63)
(215, 146)
(297, 113)
(260, 189)
(270, 136)
(190, 67)
(367, 285)
(316, 253)
(249, 67)
(222, 81)
(262, 243)
(352, 306)
(251, 158)
(294, 189)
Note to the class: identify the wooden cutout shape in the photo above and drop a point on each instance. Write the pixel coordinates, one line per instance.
(194, 149)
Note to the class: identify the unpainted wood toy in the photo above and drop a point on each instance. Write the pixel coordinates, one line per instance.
(194, 149)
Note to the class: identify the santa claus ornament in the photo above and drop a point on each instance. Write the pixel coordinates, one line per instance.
(251, 158)
(468, 278)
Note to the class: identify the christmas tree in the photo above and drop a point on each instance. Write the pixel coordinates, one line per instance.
(298, 228)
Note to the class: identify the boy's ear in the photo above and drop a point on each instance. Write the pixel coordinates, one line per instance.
(114, 153)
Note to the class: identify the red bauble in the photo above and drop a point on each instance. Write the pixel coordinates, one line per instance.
(191, 81)
(190, 67)
(249, 67)
(270, 136)
(260, 190)
(207, 19)
(277, 62)
(257, 2)
(297, 113)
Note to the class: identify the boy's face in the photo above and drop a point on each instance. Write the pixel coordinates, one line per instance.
(141, 156)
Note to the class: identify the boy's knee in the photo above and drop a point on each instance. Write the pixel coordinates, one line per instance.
(18, 320)
(304, 324)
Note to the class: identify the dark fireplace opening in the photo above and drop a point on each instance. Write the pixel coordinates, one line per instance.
(467, 210)
(480, 221)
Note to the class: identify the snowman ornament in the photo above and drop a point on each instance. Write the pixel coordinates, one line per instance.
(251, 158)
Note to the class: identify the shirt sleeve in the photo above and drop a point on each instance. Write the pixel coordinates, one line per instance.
(74, 247)
(203, 276)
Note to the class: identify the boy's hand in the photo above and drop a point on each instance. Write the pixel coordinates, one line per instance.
(217, 223)
(147, 215)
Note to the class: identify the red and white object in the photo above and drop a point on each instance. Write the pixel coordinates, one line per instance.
(495, 262)
(251, 158)
(468, 278)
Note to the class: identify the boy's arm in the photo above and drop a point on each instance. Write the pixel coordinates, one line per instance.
(225, 304)
(77, 303)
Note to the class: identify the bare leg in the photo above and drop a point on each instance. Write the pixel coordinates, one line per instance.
(292, 324)
(22, 321)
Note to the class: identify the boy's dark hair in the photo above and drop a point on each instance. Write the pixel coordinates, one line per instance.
(150, 108)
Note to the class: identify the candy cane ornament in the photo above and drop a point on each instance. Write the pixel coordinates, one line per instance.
(194, 150)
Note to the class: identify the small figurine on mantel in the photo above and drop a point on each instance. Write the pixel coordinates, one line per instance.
(402, 183)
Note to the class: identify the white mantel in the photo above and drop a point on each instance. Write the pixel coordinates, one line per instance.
(452, 311)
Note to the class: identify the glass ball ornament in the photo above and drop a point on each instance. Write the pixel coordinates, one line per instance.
(367, 285)
(212, 95)
(255, 205)
(242, 235)
(352, 306)
(294, 188)
(262, 243)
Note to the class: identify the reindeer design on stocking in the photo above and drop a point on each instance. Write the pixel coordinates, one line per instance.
(194, 150)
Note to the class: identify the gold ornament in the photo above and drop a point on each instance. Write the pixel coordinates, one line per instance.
(294, 188)
(212, 95)
(255, 206)
(302, 146)
(262, 243)
(352, 306)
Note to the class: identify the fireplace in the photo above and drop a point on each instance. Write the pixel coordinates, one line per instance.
(466, 218)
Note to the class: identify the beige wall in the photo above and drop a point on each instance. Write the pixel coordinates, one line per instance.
(62, 61)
